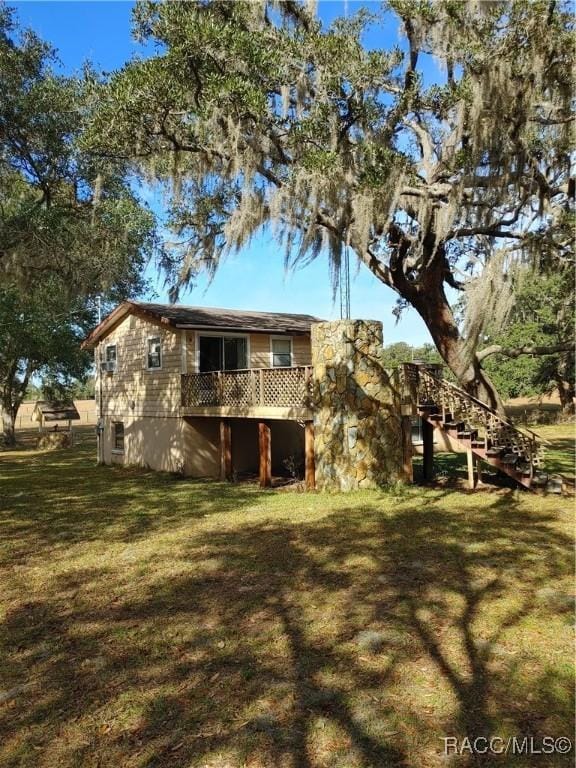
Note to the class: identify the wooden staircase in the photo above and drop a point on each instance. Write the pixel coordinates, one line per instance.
(477, 428)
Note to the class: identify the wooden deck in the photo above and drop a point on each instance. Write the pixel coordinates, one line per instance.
(271, 393)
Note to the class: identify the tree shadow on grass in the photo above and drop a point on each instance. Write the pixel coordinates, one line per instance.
(354, 641)
(256, 658)
(60, 499)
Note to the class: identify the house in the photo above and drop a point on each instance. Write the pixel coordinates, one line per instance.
(218, 392)
(197, 390)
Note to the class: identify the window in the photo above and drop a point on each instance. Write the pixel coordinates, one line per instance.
(110, 357)
(154, 355)
(416, 429)
(281, 353)
(118, 427)
(223, 353)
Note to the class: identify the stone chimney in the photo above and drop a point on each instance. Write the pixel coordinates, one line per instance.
(357, 421)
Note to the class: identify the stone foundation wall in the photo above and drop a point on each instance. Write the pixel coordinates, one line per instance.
(357, 421)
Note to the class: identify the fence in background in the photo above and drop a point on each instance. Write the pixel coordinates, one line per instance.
(86, 409)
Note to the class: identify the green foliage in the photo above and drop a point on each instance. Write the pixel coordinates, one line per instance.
(543, 316)
(260, 116)
(41, 331)
(401, 352)
(65, 212)
(40, 334)
(515, 377)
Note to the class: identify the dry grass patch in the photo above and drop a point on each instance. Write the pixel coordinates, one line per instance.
(148, 621)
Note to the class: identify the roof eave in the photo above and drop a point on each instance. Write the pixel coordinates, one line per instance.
(241, 329)
(126, 308)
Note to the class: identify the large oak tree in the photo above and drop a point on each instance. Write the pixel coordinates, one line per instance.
(259, 115)
(71, 225)
(64, 213)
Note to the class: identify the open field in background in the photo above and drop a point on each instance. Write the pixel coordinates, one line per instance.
(536, 410)
(147, 621)
(560, 454)
(560, 459)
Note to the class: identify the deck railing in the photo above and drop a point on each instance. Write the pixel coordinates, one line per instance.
(275, 387)
(430, 388)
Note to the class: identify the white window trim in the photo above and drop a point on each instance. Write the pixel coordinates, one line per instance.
(183, 352)
(106, 348)
(148, 339)
(114, 450)
(225, 335)
(283, 338)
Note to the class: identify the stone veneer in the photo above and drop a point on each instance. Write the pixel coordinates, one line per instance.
(357, 421)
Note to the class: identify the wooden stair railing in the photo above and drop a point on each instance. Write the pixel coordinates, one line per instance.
(491, 438)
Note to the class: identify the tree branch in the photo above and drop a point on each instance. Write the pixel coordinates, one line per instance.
(528, 349)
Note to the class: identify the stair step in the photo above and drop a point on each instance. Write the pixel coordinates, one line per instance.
(467, 434)
(456, 425)
(432, 407)
(500, 444)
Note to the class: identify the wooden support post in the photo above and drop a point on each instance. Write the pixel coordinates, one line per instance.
(225, 449)
(428, 449)
(407, 468)
(470, 463)
(265, 445)
(478, 471)
(310, 467)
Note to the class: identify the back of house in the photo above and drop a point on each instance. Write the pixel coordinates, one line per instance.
(175, 383)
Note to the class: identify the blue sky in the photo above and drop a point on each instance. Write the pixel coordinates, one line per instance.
(254, 279)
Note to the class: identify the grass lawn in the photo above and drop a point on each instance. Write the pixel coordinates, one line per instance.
(147, 621)
(560, 455)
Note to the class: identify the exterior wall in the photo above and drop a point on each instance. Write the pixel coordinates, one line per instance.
(189, 446)
(147, 402)
(133, 390)
(287, 438)
(259, 350)
(201, 447)
(189, 355)
(154, 442)
(357, 422)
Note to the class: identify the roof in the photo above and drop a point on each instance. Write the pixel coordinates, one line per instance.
(205, 318)
(55, 411)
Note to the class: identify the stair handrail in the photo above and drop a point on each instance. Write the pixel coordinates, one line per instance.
(462, 392)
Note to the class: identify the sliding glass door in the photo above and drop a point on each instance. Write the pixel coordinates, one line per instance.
(223, 353)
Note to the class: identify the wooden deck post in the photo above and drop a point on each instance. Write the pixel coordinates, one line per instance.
(428, 449)
(470, 463)
(407, 468)
(310, 468)
(265, 446)
(225, 449)
(478, 471)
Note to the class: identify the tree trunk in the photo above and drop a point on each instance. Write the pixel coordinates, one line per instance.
(9, 424)
(566, 393)
(433, 308)
(13, 392)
